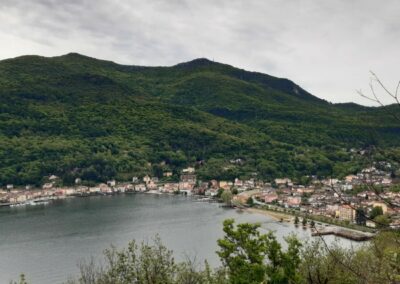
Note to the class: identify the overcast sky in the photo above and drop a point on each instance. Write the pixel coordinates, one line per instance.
(327, 47)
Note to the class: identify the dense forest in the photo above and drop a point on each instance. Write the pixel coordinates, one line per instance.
(76, 116)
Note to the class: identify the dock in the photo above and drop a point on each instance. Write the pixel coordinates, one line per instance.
(344, 233)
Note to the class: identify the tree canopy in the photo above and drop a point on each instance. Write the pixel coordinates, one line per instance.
(79, 117)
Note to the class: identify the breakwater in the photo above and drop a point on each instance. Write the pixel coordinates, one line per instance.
(344, 233)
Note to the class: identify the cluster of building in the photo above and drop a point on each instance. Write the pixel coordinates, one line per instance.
(188, 184)
(331, 197)
(337, 198)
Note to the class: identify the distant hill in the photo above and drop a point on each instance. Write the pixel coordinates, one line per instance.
(76, 116)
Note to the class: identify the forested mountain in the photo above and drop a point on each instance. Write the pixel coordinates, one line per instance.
(77, 116)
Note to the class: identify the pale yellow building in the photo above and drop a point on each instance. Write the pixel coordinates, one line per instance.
(382, 205)
(347, 213)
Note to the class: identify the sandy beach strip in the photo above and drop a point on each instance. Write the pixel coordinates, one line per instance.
(275, 215)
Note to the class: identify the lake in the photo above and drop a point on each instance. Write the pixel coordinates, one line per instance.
(46, 242)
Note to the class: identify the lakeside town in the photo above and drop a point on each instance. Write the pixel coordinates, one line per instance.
(357, 199)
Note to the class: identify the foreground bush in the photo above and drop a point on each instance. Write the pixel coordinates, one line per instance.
(375, 262)
(145, 263)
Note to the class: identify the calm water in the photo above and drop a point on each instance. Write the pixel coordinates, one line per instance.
(46, 242)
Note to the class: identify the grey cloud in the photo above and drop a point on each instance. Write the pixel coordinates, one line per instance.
(327, 47)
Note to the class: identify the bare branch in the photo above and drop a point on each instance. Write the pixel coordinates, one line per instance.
(371, 86)
(366, 97)
(394, 96)
(397, 90)
(376, 99)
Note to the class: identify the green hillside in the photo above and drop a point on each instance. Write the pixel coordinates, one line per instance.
(77, 116)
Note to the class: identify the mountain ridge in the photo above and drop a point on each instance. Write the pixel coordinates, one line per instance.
(194, 63)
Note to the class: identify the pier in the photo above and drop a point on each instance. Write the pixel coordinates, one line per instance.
(344, 233)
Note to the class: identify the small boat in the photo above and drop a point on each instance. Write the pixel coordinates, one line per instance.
(42, 202)
(18, 205)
